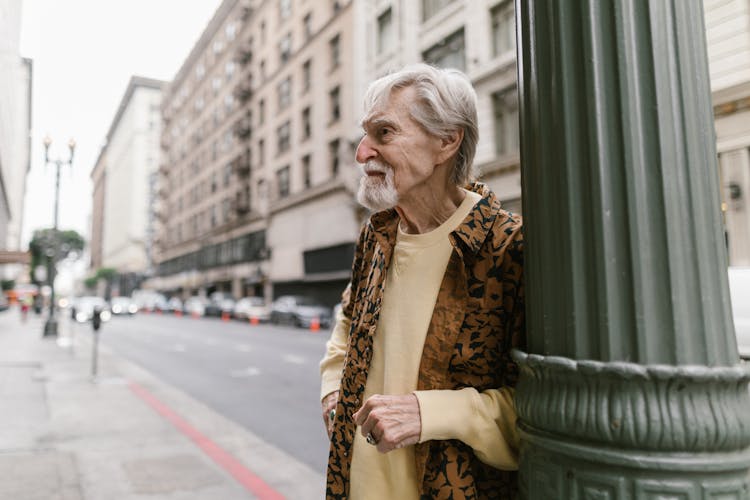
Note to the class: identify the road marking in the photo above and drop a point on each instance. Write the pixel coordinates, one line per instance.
(250, 371)
(229, 463)
(293, 359)
(243, 348)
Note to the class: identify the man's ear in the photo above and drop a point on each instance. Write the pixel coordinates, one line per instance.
(449, 145)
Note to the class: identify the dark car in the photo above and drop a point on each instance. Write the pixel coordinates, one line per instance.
(300, 311)
(219, 303)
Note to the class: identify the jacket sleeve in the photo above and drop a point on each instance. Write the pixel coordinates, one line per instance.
(486, 421)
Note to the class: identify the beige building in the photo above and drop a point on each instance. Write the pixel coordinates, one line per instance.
(262, 121)
(258, 153)
(477, 37)
(728, 34)
(124, 179)
(15, 137)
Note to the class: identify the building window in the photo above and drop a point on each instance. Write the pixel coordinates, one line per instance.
(214, 150)
(263, 71)
(285, 93)
(229, 70)
(385, 31)
(228, 103)
(214, 184)
(284, 137)
(335, 104)
(306, 75)
(213, 220)
(285, 48)
(306, 126)
(333, 153)
(505, 107)
(335, 6)
(449, 53)
(230, 31)
(432, 7)
(503, 28)
(262, 152)
(200, 70)
(218, 46)
(285, 9)
(262, 32)
(307, 25)
(225, 210)
(335, 48)
(306, 176)
(282, 180)
(261, 111)
(227, 174)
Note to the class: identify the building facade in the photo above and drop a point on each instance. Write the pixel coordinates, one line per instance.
(125, 197)
(262, 121)
(258, 152)
(728, 36)
(15, 133)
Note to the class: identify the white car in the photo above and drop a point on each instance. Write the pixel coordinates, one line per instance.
(252, 307)
(83, 309)
(739, 290)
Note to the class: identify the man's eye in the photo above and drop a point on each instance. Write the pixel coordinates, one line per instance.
(384, 131)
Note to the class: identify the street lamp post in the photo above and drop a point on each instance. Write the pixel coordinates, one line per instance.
(50, 327)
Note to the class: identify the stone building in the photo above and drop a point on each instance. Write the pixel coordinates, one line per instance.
(124, 180)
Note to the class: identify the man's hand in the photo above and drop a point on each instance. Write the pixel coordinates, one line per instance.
(329, 403)
(393, 421)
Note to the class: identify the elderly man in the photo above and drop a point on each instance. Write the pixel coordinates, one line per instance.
(417, 378)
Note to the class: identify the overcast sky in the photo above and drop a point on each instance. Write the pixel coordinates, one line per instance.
(84, 53)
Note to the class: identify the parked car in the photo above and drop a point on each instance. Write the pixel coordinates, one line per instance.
(739, 290)
(194, 306)
(4, 302)
(300, 311)
(174, 304)
(123, 305)
(149, 300)
(220, 303)
(252, 307)
(82, 309)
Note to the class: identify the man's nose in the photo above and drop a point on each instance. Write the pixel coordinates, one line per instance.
(365, 152)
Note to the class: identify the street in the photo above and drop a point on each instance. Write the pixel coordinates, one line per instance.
(262, 377)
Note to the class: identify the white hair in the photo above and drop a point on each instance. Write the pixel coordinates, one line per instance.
(446, 102)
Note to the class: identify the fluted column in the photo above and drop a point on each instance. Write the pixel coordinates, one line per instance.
(632, 387)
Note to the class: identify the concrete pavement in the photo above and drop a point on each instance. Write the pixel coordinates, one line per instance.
(124, 435)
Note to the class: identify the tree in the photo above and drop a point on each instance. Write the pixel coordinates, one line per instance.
(57, 244)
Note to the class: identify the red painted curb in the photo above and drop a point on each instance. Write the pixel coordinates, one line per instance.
(229, 463)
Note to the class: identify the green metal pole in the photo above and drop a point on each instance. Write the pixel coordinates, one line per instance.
(632, 387)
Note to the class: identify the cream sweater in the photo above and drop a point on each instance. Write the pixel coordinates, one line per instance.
(485, 421)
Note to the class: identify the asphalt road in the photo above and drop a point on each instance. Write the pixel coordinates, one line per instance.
(263, 377)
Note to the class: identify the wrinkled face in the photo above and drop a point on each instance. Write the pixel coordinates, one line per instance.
(396, 154)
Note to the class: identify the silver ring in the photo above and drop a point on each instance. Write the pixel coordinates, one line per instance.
(370, 439)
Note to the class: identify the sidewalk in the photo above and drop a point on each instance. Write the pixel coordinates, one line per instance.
(126, 435)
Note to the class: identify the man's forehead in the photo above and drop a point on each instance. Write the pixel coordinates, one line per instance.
(385, 111)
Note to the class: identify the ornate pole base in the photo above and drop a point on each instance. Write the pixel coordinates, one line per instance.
(594, 430)
(50, 328)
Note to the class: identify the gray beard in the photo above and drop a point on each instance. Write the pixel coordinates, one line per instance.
(376, 193)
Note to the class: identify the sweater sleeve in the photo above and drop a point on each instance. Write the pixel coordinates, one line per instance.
(332, 363)
(486, 421)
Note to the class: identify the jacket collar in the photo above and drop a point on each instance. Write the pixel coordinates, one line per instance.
(471, 232)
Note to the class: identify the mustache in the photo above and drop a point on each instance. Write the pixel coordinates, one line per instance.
(373, 166)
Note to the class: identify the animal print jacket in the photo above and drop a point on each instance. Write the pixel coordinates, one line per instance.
(477, 320)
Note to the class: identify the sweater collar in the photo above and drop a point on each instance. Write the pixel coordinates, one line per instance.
(471, 233)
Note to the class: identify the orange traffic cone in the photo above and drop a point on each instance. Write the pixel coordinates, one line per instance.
(315, 324)
(224, 316)
(254, 320)
(178, 313)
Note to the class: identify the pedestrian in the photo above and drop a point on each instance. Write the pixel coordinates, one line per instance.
(417, 379)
